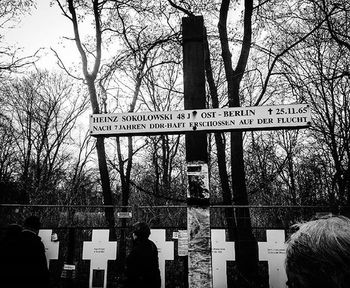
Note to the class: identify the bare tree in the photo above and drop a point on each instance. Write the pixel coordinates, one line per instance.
(323, 84)
(92, 54)
(43, 115)
(161, 93)
(10, 12)
(246, 244)
(336, 14)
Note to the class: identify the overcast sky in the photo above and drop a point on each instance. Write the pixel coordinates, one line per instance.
(44, 28)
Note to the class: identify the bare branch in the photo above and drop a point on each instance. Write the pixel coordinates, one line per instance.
(61, 65)
(63, 10)
(280, 55)
(77, 37)
(187, 12)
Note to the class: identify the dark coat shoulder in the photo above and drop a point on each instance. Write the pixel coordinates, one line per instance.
(143, 266)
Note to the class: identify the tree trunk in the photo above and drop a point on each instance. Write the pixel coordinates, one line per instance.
(90, 81)
(220, 147)
(103, 168)
(246, 245)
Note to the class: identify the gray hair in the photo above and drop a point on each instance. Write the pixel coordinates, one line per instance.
(318, 254)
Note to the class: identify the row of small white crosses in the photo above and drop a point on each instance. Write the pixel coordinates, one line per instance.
(99, 250)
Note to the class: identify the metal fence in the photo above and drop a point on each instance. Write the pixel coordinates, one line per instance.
(74, 225)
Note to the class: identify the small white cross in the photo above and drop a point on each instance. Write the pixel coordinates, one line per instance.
(274, 252)
(99, 250)
(51, 247)
(222, 251)
(165, 250)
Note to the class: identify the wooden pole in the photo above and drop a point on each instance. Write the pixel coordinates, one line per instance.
(198, 213)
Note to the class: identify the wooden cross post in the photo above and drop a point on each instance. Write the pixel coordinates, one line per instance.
(198, 210)
(196, 121)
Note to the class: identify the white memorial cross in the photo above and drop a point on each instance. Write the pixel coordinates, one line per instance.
(51, 247)
(165, 250)
(99, 251)
(222, 252)
(274, 252)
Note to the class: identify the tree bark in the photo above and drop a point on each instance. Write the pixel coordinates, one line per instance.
(246, 245)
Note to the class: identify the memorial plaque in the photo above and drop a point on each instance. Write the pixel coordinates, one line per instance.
(68, 271)
(98, 277)
(209, 120)
(182, 244)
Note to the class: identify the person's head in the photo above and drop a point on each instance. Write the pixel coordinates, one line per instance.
(32, 223)
(318, 254)
(141, 230)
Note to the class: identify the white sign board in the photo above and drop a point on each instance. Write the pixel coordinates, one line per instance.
(99, 250)
(51, 247)
(274, 252)
(165, 250)
(124, 214)
(172, 122)
(222, 251)
(182, 243)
